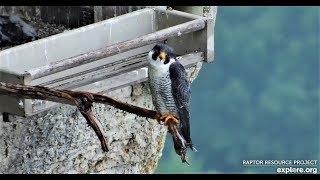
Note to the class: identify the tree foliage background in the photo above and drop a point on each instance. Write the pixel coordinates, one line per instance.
(259, 99)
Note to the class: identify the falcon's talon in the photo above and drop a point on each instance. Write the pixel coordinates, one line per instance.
(168, 117)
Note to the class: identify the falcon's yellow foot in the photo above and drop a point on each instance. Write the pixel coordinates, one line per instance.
(168, 117)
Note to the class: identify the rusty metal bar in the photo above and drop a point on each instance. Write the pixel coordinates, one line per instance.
(88, 57)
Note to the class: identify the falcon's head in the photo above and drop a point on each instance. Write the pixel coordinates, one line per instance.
(161, 56)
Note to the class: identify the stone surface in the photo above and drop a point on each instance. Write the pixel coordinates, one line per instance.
(60, 141)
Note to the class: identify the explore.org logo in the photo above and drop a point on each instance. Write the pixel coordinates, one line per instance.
(286, 166)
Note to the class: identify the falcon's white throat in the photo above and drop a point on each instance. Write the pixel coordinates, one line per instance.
(158, 65)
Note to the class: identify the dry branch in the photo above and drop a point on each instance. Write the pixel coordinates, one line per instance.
(84, 104)
(69, 97)
(84, 100)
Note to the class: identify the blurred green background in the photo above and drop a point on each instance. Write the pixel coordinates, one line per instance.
(259, 99)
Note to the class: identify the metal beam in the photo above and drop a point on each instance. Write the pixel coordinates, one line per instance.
(85, 58)
(194, 41)
(114, 82)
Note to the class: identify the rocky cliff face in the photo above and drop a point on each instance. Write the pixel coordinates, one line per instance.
(60, 140)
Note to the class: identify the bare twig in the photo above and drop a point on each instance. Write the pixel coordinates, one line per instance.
(69, 97)
(84, 104)
(99, 98)
(84, 100)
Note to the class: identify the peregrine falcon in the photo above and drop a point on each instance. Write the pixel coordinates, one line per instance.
(170, 91)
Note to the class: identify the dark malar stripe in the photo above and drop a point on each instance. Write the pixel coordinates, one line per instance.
(167, 60)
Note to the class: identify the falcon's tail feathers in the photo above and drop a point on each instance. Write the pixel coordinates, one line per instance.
(185, 125)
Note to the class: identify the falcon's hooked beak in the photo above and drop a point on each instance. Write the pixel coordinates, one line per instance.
(162, 55)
